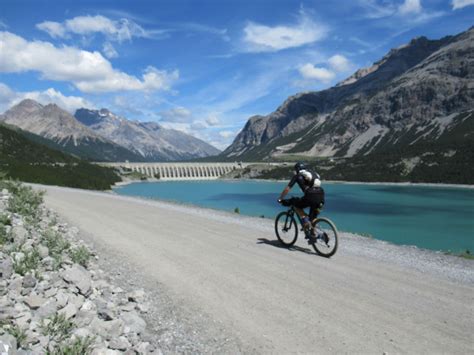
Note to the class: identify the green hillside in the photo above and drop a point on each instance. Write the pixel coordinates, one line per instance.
(28, 161)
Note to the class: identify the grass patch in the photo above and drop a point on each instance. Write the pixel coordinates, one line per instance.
(23, 200)
(18, 333)
(80, 255)
(30, 262)
(58, 328)
(56, 245)
(79, 346)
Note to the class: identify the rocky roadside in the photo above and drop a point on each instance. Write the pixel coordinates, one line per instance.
(54, 298)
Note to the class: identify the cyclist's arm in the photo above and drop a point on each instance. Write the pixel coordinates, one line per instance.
(288, 188)
(285, 192)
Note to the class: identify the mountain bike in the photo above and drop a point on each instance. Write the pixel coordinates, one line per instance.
(322, 234)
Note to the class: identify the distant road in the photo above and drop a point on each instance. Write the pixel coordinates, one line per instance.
(371, 297)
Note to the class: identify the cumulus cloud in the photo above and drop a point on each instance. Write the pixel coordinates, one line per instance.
(339, 63)
(262, 38)
(309, 72)
(88, 71)
(459, 4)
(177, 115)
(114, 30)
(410, 7)
(9, 98)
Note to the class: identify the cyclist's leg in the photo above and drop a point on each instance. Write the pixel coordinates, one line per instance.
(300, 204)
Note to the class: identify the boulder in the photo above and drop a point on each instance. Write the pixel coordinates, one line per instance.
(29, 281)
(133, 322)
(6, 268)
(120, 343)
(69, 311)
(7, 344)
(19, 234)
(43, 251)
(136, 296)
(79, 277)
(34, 301)
(47, 309)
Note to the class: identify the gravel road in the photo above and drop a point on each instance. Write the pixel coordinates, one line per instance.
(221, 283)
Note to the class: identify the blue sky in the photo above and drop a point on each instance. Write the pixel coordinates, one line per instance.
(203, 67)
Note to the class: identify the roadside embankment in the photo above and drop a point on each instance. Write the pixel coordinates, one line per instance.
(53, 296)
(229, 287)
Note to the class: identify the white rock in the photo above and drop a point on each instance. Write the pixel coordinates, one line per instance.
(69, 311)
(80, 277)
(120, 343)
(47, 309)
(61, 298)
(34, 301)
(105, 351)
(43, 251)
(133, 322)
(19, 234)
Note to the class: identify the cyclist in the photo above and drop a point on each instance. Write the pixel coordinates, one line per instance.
(310, 183)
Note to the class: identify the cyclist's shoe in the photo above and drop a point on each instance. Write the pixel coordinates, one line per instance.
(324, 237)
(311, 239)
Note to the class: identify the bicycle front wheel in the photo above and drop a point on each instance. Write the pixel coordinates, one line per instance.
(326, 237)
(286, 229)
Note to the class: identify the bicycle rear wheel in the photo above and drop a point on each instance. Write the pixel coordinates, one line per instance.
(326, 237)
(286, 229)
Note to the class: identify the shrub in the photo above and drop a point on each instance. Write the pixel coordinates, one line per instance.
(80, 255)
(237, 210)
(24, 200)
(55, 242)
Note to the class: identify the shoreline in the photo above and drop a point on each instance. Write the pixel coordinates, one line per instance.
(411, 184)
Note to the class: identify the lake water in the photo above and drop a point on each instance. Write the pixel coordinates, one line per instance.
(438, 218)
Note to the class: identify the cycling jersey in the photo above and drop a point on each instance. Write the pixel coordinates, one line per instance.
(305, 179)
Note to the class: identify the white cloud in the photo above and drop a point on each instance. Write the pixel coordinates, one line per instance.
(121, 30)
(227, 134)
(339, 63)
(459, 4)
(109, 50)
(9, 98)
(410, 7)
(212, 120)
(88, 71)
(54, 29)
(262, 38)
(177, 115)
(309, 72)
(198, 125)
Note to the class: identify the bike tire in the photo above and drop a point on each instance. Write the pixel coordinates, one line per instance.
(282, 219)
(330, 230)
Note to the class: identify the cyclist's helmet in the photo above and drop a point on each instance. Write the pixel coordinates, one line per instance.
(299, 166)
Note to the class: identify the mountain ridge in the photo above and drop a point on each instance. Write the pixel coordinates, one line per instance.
(148, 139)
(358, 115)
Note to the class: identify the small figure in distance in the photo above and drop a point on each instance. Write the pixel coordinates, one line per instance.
(310, 183)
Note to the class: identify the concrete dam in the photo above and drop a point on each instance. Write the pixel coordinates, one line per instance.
(179, 171)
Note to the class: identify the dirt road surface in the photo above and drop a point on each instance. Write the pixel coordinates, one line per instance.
(230, 275)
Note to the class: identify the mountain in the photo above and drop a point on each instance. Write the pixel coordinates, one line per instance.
(64, 132)
(149, 140)
(24, 159)
(419, 95)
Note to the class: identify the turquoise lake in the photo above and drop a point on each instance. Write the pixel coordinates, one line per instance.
(437, 218)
